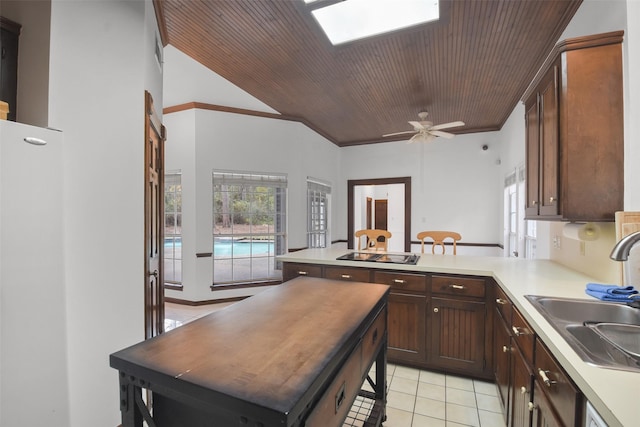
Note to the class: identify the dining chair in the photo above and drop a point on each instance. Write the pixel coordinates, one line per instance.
(438, 238)
(374, 239)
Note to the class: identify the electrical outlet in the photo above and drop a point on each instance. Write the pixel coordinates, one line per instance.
(556, 241)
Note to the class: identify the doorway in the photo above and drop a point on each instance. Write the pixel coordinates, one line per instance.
(403, 208)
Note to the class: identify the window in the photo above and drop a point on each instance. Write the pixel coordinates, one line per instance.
(249, 227)
(318, 194)
(173, 228)
(519, 235)
(348, 20)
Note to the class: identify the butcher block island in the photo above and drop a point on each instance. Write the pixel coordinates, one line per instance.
(294, 355)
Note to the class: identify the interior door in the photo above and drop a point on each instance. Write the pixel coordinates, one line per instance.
(381, 214)
(154, 221)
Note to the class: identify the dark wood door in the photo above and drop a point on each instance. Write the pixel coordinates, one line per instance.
(549, 133)
(154, 221)
(522, 384)
(533, 158)
(457, 334)
(381, 207)
(502, 361)
(406, 327)
(543, 412)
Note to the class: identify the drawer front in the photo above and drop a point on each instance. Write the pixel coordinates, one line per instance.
(401, 281)
(459, 286)
(335, 403)
(347, 273)
(503, 304)
(293, 270)
(555, 383)
(372, 339)
(523, 335)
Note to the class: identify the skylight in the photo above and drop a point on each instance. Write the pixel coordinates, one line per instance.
(350, 20)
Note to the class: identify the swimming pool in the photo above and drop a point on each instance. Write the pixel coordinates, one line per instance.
(226, 248)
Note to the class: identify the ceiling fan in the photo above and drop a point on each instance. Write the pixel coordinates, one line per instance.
(425, 131)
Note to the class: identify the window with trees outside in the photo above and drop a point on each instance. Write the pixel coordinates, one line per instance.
(249, 227)
(318, 195)
(173, 228)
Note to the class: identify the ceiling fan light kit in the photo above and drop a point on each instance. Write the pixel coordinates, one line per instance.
(425, 131)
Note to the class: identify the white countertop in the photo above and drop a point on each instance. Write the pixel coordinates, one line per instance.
(615, 394)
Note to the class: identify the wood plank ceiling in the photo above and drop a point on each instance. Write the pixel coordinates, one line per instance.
(472, 65)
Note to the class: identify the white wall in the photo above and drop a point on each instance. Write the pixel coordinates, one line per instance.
(100, 66)
(230, 141)
(453, 182)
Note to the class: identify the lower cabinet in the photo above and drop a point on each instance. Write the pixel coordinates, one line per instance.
(543, 412)
(521, 391)
(407, 315)
(503, 349)
(457, 338)
(406, 327)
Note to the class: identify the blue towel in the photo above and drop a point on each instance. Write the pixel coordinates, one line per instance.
(612, 289)
(604, 296)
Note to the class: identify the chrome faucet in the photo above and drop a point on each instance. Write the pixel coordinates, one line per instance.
(621, 250)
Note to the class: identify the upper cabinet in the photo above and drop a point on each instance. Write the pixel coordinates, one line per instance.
(574, 132)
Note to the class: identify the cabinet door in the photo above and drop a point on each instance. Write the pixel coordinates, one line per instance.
(502, 361)
(533, 158)
(457, 334)
(291, 270)
(549, 149)
(406, 327)
(543, 413)
(522, 385)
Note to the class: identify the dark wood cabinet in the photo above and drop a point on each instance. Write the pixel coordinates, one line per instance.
(502, 359)
(575, 130)
(543, 413)
(557, 391)
(407, 325)
(291, 270)
(9, 35)
(457, 335)
(407, 315)
(352, 274)
(521, 390)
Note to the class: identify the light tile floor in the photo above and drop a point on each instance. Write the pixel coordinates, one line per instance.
(416, 398)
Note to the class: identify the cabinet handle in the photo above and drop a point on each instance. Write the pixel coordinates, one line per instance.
(545, 378)
(399, 281)
(302, 273)
(552, 199)
(345, 276)
(506, 349)
(501, 301)
(523, 390)
(534, 202)
(519, 331)
(531, 406)
(459, 287)
(435, 309)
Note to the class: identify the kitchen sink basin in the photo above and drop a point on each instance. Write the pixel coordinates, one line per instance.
(581, 310)
(603, 334)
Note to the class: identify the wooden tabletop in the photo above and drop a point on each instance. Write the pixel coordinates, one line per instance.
(270, 349)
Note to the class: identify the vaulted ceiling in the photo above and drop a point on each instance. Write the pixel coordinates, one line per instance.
(472, 65)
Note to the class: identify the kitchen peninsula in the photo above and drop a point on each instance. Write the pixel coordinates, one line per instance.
(613, 393)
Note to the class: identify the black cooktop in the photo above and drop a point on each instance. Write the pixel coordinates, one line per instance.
(410, 259)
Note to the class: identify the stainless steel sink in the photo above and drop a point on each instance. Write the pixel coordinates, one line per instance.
(594, 329)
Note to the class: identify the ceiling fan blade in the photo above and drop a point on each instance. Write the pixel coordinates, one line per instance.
(417, 125)
(447, 125)
(442, 134)
(399, 133)
(421, 137)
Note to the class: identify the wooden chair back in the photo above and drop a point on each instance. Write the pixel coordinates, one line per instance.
(438, 238)
(374, 239)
